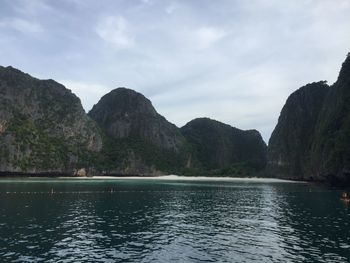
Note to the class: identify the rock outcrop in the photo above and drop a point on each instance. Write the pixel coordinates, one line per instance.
(80, 173)
(125, 113)
(312, 138)
(139, 140)
(45, 131)
(223, 149)
(291, 141)
(330, 157)
(43, 127)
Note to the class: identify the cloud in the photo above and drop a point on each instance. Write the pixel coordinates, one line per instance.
(170, 9)
(31, 8)
(114, 30)
(207, 36)
(245, 100)
(22, 25)
(235, 61)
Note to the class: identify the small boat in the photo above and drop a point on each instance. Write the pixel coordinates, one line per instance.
(345, 197)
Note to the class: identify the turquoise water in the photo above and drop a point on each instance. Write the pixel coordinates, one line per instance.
(171, 221)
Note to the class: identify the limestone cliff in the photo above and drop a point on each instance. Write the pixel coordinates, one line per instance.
(312, 137)
(43, 127)
(331, 147)
(139, 140)
(290, 143)
(223, 149)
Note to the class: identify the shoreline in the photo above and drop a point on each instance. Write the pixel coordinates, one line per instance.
(162, 177)
(192, 178)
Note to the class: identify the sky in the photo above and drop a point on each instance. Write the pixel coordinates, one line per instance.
(236, 61)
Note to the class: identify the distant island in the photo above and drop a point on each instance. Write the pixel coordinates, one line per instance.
(44, 131)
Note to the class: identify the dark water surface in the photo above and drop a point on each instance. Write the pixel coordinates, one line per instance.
(171, 221)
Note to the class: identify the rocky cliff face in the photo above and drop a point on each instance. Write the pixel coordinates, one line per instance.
(291, 140)
(312, 137)
(125, 113)
(44, 129)
(223, 149)
(139, 139)
(43, 126)
(331, 148)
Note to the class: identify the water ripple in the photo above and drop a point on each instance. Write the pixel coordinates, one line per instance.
(172, 221)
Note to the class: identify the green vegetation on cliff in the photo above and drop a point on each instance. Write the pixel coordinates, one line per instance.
(138, 140)
(291, 140)
(331, 146)
(312, 137)
(224, 150)
(43, 126)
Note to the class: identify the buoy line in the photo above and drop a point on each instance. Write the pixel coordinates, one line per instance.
(105, 192)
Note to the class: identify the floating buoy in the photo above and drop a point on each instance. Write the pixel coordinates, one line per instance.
(345, 197)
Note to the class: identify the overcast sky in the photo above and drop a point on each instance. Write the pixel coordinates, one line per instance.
(235, 61)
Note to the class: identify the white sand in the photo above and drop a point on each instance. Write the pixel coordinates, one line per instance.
(185, 178)
(164, 177)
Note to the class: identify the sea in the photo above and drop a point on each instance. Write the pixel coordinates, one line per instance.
(171, 219)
